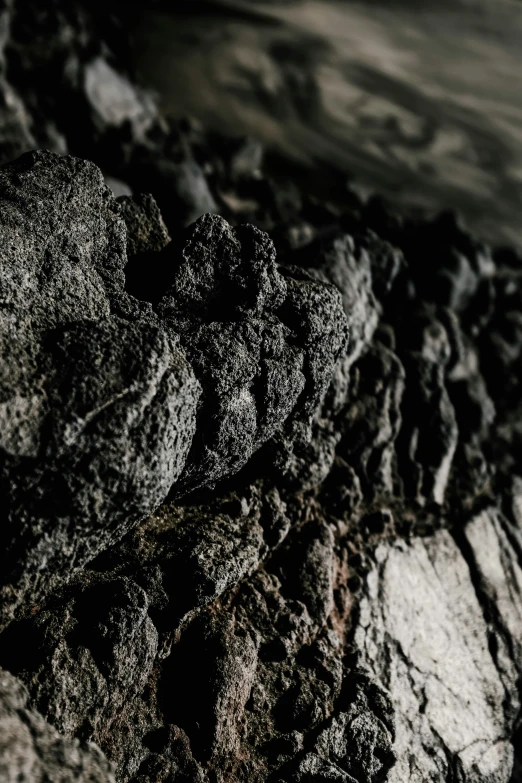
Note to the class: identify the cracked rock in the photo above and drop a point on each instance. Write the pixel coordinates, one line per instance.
(423, 636)
(263, 342)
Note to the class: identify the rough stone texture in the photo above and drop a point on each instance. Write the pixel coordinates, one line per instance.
(96, 412)
(31, 751)
(260, 491)
(100, 412)
(422, 634)
(263, 342)
(146, 231)
(347, 266)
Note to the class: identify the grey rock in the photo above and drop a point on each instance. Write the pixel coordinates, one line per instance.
(223, 687)
(372, 419)
(202, 550)
(339, 596)
(16, 134)
(75, 82)
(315, 769)
(429, 434)
(263, 345)
(146, 231)
(114, 401)
(360, 740)
(180, 561)
(31, 751)
(454, 268)
(246, 159)
(387, 261)
(312, 580)
(172, 761)
(422, 635)
(349, 269)
(63, 211)
(118, 187)
(113, 99)
(495, 565)
(124, 412)
(180, 188)
(109, 659)
(79, 386)
(338, 263)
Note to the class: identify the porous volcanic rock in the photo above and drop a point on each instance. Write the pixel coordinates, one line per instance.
(263, 341)
(260, 485)
(97, 413)
(101, 408)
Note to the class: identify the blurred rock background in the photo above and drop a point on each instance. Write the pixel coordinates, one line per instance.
(419, 101)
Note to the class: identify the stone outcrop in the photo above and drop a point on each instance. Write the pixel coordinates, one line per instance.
(260, 486)
(31, 750)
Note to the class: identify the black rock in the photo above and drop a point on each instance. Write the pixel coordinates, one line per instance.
(263, 342)
(260, 514)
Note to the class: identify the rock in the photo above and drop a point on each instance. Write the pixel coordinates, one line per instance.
(181, 189)
(372, 420)
(31, 750)
(118, 187)
(336, 262)
(130, 429)
(260, 515)
(213, 720)
(386, 261)
(125, 409)
(360, 740)
(146, 231)
(263, 345)
(80, 386)
(15, 124)
(114, 100)
(349, 268)
(429, 434)
(495, 566)
(61, 207)
(75, 79)
(313, 768)
(246, 158)
(201, 551)
(422, 635)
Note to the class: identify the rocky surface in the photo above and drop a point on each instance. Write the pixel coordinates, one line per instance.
(261, 511)
(423, 634)
(30, 750)
(96, 411)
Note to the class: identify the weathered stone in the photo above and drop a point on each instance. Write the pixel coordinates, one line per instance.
(422, 635)
(339, 596)
(31, 750)
(93, 408)
(263, 345)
